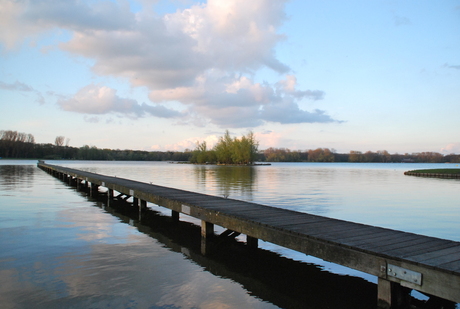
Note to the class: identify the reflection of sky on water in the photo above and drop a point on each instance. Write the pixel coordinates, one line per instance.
(59, 251)
(371, 193)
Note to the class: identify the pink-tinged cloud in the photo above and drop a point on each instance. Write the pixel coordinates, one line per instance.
(98, 100)
(451, 148)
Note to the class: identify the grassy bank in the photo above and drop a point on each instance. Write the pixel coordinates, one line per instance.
(439, 171)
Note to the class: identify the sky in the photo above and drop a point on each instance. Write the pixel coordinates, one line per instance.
(301, 74)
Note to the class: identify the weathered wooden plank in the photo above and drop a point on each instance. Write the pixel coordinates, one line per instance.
(444, 259)
(373, 233)
(397, 243)
(385, 240)
(332, 230)
(453, 266)
(290, 220)
(343, 231)
(437, 257)
(419, 247)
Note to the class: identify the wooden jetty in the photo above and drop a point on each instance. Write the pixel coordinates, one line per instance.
(401, 261)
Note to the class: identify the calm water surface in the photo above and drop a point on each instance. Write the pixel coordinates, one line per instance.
(61, 248)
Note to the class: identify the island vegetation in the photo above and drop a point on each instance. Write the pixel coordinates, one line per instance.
(243, 150)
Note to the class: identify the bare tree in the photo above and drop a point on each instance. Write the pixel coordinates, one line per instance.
(59, 141)
(21, 137)
(30, 139)
(10, 136)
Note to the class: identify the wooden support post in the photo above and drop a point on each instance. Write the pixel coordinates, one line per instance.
(384, 294)
(142, 208)
(207, 231)
(94, 189)
(392, 295)
(109, 197)
(175, 216)
(135, 202)
(251, 242)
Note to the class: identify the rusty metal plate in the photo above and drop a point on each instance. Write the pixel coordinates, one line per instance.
(404, 274)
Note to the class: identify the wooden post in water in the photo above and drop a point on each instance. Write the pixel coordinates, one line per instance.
(109, 196)
(94, 189)
(142, 208)
(392, 295)
(252, 242)
(135, 202)
(175, 215)
(207, 231)
(384, 294)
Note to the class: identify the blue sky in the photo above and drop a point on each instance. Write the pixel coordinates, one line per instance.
(162, 75)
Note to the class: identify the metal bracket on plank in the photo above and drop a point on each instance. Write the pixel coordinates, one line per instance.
(185, 209)
(404, 274)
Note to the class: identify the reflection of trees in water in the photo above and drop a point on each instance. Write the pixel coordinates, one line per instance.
(16, 176)
(228, 180)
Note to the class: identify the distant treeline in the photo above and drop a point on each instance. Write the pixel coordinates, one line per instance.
(327, 155)
(16, 145)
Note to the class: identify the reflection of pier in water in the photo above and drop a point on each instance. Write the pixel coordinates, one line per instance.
(401, 261)
(264, 274)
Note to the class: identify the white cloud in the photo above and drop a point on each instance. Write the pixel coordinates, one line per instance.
(98, 100)
(234, 102)
(204, 57)
(26, 18)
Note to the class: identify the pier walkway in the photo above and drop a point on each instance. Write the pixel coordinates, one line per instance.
(401, 261)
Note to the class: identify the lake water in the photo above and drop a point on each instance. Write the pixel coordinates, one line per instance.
(61, 248)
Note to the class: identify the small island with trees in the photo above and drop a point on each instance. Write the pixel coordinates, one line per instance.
(234, 151)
